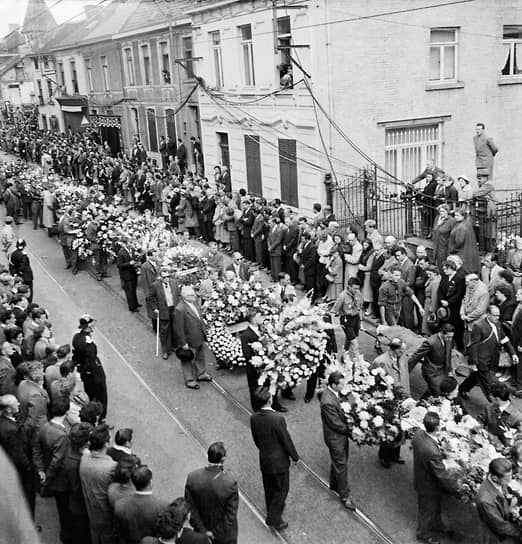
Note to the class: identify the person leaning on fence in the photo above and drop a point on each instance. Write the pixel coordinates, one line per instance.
(391, 293)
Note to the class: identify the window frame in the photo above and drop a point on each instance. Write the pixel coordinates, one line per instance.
(247, 47)
(441, 46)
(512, 42)
(128, 66)
(74, 77)
(88, 68)
(105, 73)
(185, 49)
(161, 61)
(217, 59)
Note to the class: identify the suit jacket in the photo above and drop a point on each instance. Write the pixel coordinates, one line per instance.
(188, 327)
(49, 450)
(516, 328)
(247, 221)
(493, 510)
(273, 441)
(453, 290)
(156, 297)
(290, 240)
(335, 426)
(65, 230)
(149, 274)
(490, 275)
(258, 226)
(432, 352)
(12, 440)
(247, 337)
(7, 374)
(125, 268)
(484, 349)
(475, 304)
(135, 516)
(309, 259)
(275, 240)
(429, 475)
(244, 270)
(33, 407)
(213, 498)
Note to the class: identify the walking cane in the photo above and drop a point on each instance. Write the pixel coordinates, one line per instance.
(157, 335)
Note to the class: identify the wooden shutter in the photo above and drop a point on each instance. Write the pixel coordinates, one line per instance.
(253, 165)
(288, 172)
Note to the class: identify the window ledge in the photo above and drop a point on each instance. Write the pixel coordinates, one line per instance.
(509, 80)
(444, 85)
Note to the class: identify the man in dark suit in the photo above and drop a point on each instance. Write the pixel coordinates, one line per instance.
(135, 515)
(435, 354)
(257, 233)
(430, 480)
(149, 274)
(190, 333)
(290, 242)
(163, 298)
(247, 221)
(85, 356)
(213, 498)
(335, 432)
(487, 337)
(128, 276)
(452, 289)
(501, 416)
(275, 451)
(66, 235)
(181, 154)
(309, 260)
(493, 506)
(276, 235)
(121, 451)
(49, 450)
(14, 445)
(207, 205)
(240, 268)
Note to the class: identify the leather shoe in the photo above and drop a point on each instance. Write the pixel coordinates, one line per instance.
(307, 399)
(281, 409)
(67, 266)
(399, 461)
(192, 385)
(349, 504)
(280, 526)
(204, 378)
(384, 463)
(165, 356)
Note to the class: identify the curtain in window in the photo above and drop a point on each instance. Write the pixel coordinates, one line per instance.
(507, 61)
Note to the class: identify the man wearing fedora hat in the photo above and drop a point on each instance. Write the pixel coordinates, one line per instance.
(85, 355)
(190, 334)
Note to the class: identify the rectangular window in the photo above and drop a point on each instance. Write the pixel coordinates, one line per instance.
(164, 62)
(247, 55)
(145, 55)
(443, 54)
(50, 88)
(88, 66)
(284, 39)
(35, 60)
(288, 172)
(407, 149)
(253, 165)
(105, 72)
(224, 150)
(215, 40)
(135, 121)
(187, 54)
(128, 66)
(512, 39)
(40, 92)
(153, 133)
(170, 120)
(19, 73)
(44, 121)
(74, 77)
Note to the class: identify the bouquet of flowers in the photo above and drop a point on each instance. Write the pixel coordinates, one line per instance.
(291, 347)
(232, 300)
(225, 346)
(186, 263)
(371, 402)
(412, 413)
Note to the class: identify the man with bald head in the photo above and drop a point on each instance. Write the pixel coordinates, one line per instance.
(190, 334)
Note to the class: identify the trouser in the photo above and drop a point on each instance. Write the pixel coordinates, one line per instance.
(309, 280)
(258, 248)
(311, 383)
(100, 262)
(234, 240)
(275, 266)
(26, 208)
(252, 377)
(351, 326)
(276, 488)
(129, 287)
(339, 467)
(482, 378)
(407, 316)
(192, 370)
(248, 248)
(206, 230)
(391, 316)
(165, 332)
(389, 453)
(291, 267)
(11, 210)
(429, 515)
(71, 257)
(96, 389)
(80, 533)
(433, 380)
(36, 213)
(28, 480)
(103, 534)
(64, 517)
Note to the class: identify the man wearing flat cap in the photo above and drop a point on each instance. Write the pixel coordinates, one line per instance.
(85, 355)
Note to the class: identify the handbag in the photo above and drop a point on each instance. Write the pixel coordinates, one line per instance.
(504, 360)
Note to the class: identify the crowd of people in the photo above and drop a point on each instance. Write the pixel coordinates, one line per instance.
(450, 297)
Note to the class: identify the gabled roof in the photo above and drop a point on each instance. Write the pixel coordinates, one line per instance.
(66, 36)
(38, 18)
(10, 64)
(151, 13)
(113, 18)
